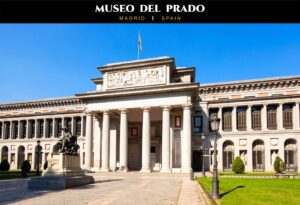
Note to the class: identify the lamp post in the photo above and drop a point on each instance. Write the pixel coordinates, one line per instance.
(215, 123)
(203, 150)
(38, 153)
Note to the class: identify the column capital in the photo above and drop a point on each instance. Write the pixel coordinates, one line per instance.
(105, 112)
(166, 107)
(249, 106)
(145, 109)
(123, 111)
(187, 106)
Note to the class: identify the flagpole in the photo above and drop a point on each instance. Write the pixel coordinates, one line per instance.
(138, 52)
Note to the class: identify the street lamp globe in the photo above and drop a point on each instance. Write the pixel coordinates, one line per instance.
(214, 122)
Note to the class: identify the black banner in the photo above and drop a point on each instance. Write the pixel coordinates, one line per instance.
(150, 11)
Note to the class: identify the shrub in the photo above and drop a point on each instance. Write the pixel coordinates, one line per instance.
(279, 165)
(45, 165)
(26, 167)
(238, 166)
(4, 165)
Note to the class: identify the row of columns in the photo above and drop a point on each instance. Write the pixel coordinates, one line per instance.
(296, 117)
(146, 140)
(28, 129)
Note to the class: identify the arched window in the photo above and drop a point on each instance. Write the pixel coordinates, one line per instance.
(21, 156)
(228, 155)
(290, 154)
(4, 153)
(258, 156)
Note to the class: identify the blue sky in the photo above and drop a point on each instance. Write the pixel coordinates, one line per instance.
(55, 60)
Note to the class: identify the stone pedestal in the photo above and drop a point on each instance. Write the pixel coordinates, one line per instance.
(63, 172)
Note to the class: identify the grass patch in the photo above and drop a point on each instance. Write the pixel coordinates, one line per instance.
(256, 191)
(254, 173)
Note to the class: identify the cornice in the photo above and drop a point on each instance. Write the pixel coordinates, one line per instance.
(54, 102)
(260, 84)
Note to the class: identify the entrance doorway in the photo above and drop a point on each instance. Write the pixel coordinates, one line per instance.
(197, 161)
(176, 152)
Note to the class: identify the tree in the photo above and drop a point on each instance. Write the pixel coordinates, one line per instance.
(279, 165)
(238, 166)
(26, 167)
(4, 165)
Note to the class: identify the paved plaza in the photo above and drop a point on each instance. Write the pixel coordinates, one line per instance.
(111, 188)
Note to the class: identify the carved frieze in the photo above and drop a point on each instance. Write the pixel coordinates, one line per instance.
(132, 78)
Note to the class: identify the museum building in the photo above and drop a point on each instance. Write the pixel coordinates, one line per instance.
(149, 115)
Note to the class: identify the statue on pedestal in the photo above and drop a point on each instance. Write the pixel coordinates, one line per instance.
(67, 144)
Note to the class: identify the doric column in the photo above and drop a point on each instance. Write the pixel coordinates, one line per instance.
(205, 117)
(88, 141)
(264, 118)
(296, 113)
(3, 130)
(146, 141)
(234, 127)
(123, 141)
(54, 127)
(280, 117)
(36, 128)
(220, 113)
(97, 127)
(105, 142)
(249, 118)
(72, 125)
(186, 153)
(28, 129)
(12, 130)
(166, 140)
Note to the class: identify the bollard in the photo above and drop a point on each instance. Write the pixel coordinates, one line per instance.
(191, 174)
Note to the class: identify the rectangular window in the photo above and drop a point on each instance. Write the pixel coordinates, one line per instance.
(288, 116)
(1, 130)
(50, 127)
(241, 118)
(78, 126)
(59, 127)
(272, 117)
(16, 129)
(198, 124)
(227, 119)
(24, 129)
(256, 118)
(41, 130)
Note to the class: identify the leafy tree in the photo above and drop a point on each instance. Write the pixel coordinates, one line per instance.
(238, 166)
(4, 165)
(279, 165)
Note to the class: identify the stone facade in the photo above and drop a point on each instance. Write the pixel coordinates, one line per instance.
(150, 115)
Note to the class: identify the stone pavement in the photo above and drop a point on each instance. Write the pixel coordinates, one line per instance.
(111, 188)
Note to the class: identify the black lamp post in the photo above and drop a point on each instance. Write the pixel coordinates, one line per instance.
(215, 123)
(38, 153)
(203, 150)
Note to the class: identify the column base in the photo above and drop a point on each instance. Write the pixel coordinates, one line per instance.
(123, 169)
(146, 170)
(165, 171)
(186, 170)
(104, 170)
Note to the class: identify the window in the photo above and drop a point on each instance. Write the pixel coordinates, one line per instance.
(198, 124)
(256, 118)
(24, 129)
(41, 130)
(32, 131)
(271, 117)
(16, 129)
(288, 116)
(59, 127)
(50, 127)
(78, 126)
(227, 119)
(7, 130)
(1, 130)
(241, 118)
(84, 124)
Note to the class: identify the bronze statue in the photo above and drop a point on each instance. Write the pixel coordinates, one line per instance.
(67, 144)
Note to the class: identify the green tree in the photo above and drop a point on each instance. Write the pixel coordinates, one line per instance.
(4, 165)
(279, 165)
(238, 166)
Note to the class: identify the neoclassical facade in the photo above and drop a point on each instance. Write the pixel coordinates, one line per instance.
(149, 115)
